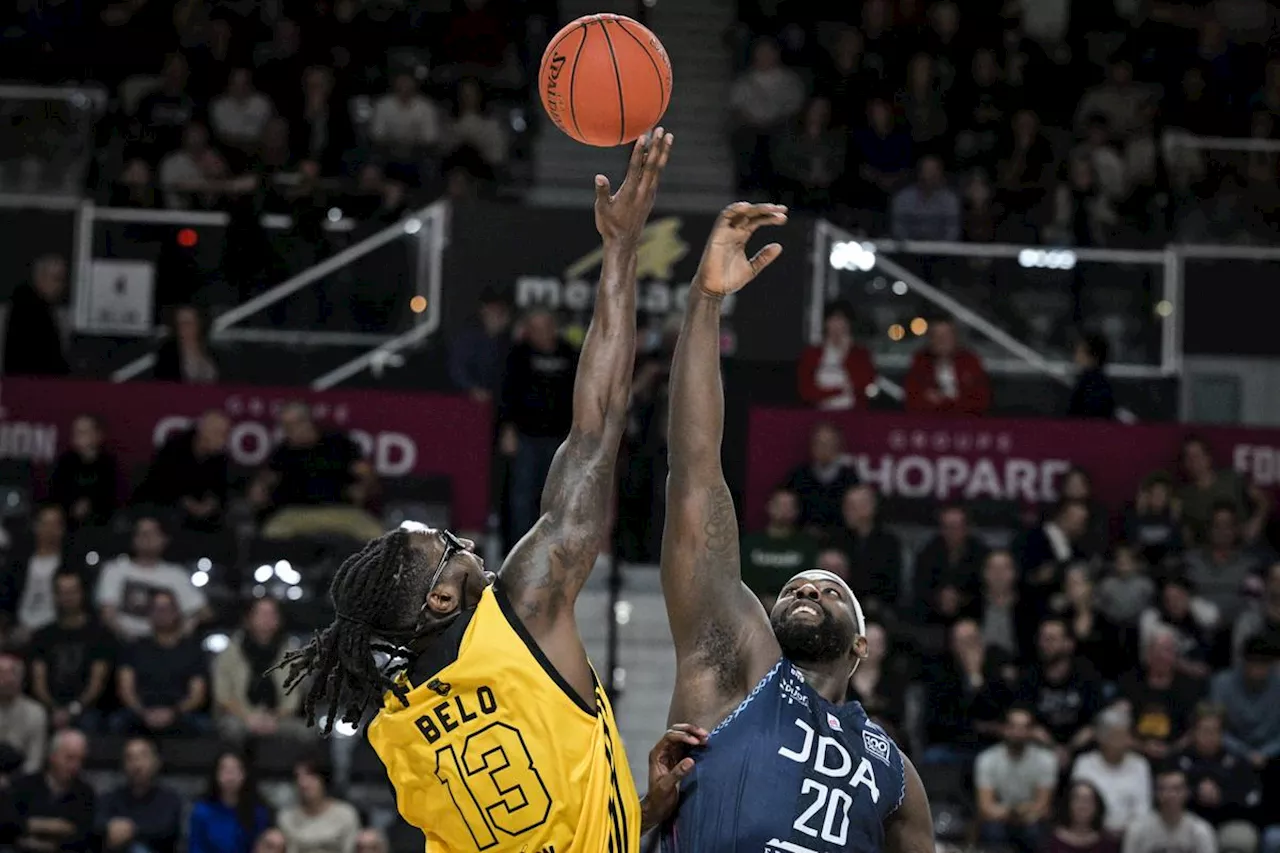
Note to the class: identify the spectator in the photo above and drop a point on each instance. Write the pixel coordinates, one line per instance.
(978, 111)
(474, 127)
(1121, 775)
(1078, 827)
(536, 412)
(162, 680)
(880, 681)
(1005, 625)
(874, 553)
(1118, 100)
(230, 816)
(405, 124)
(822, 482)
(313, 478)
(1125, 593)
(239, 115)
(773, 555)
(142, 815)
(1249, 693)
(1160, 696)
(843, 77)
(921, 102)
(55, 808)
(26, 585)
(1102, 151)
(84, 478)
(946, 378)
(1064, 691)
(809, 158)
(478, 355)
(71, 659)
(1262, 619)
(184, 356)
(1194, 622)
(320, 123)
(762, 99)
(1207, 487)
(1083, 214)
(1096, 637)
(835, 561)
(1151, 523)
(982, 215)
(1077, 485)
(34, 342)
(1170, 826)
(1050, 549)
(1092, 396)
(1225, 790)
(967, 697)
(162, 114)
(838, 373)
(190, 169)
(281, 61)
(884, 156)
(248, 689)
(1025, 168)
(23, 722)
(1221, 568)
(927, 209)
(1015, 780)
(129, 583)
(948, 568)
(318, 823)
(190, 474)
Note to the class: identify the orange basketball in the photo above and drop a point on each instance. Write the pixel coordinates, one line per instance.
(605, 80)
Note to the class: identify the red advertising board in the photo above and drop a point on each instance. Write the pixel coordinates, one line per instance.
(925, 458)
(403, 434)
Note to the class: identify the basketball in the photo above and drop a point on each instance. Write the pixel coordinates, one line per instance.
(605, 80)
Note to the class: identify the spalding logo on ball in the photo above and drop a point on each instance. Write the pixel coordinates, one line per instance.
(605, 80)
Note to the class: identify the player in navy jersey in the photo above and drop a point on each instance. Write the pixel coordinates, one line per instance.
(790, 766)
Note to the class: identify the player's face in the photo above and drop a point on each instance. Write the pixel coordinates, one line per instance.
(814, 621)
(462, 577)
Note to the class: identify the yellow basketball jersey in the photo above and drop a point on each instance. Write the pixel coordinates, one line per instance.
(497, 753)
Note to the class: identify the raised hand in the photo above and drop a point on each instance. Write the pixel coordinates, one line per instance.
(621, 216)
(725, 267)
(669, 764)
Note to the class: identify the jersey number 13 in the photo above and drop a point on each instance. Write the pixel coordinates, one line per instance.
(497, 787)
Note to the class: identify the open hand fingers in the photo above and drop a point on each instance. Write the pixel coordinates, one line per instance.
(764, 257)
(745, 215)
(659, 150)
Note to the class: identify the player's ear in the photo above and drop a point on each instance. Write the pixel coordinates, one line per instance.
(860, 651)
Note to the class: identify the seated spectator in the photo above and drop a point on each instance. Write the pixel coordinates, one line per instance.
(1121, 775)
(1160, 697)
(84, 478)
(320, 123)
(1170, 826)
(946, 378)
(1262, 618)
(161, 115)
(762, 99)
(1077, 485)
(948, 567)
(239, 115)
(1063, 690)
(190, 473)
(71, 659)
(310, 479)
(1092, 397)
(808, 158)
(135, 186)
(921, 103)
(1207, 487)
(1118, 99)
(472, 126)
(190, 170)
(884, 156)
(1222, 569)
(318, 823)
(55, 808)
(1194, 622)
(33, 343)
(880, 681)
(1005, 624)
(982, 214)
(874, 552)
(1225, 789)
(837, 373)
(184, 356)
(248, 691)
(1025, 167)
(162, 680)
(1096, 638)
(142, 815)
(129, 583)
(1078, 827)
(1099, 147)
(1083, 214)
(1127, 591)
(772, 556)
(405, 126)
(1050, 549)
(927, 209)
(1249, 693)
(1151, 523)
(966, 698)
(26, 584)
(844, 78)
(23, 722)
(822, 481)
(230, 816)
(1015, 781)
(478, 355)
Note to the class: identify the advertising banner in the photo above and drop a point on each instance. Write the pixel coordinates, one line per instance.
(403, 434)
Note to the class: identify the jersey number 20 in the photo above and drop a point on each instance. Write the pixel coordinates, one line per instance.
(501, 789)
(831, 823)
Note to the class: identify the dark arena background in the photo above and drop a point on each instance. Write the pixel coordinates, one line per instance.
(265, 266)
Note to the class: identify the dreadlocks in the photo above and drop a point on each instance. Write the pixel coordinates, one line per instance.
(340, 659)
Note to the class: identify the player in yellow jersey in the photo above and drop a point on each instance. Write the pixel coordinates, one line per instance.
(493, 727)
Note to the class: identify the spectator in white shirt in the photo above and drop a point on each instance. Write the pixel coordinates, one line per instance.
(763, 98)
(405, 120)
(1170, 828)
(194, 169)
(240, 114)
(128, 584)
(26, 586)
(1121, 775)
(1015, 781)
(24, 725)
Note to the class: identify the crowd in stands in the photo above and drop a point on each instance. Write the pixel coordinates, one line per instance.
(1061, 122)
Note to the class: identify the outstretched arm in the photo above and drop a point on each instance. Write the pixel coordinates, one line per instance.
(722, 635)
(545, 571)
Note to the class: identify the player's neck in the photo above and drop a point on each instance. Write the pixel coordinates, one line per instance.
(830, 680)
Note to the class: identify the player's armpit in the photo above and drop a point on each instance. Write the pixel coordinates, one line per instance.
(910, 828)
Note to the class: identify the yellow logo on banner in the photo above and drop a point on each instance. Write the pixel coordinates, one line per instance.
(660, 250)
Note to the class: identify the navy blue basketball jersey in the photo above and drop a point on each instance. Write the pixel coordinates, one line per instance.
(789, 772)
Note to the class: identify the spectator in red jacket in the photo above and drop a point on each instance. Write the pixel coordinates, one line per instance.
(946, 378)
(836, 373)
